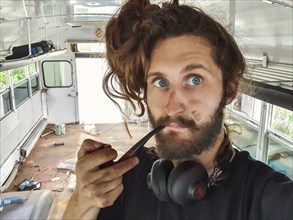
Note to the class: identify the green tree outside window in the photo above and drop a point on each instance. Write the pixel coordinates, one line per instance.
(283, 121)
(18, 74)
(3, 80)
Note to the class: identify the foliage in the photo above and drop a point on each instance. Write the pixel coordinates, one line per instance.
(3, 80)
(18, 74)
(283, 121)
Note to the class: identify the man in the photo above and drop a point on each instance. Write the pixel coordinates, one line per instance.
(186, 68)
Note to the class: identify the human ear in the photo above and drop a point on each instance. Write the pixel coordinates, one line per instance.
(232, 89)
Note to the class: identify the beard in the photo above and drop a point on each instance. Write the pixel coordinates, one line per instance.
(202, 137)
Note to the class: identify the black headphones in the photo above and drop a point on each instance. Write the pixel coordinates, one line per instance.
(188, 181)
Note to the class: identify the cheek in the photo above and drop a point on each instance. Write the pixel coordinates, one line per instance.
(154, 101)
(157, 102)
(203, 105)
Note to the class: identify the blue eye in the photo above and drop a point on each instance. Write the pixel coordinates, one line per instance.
(194, 80)
(161, 83)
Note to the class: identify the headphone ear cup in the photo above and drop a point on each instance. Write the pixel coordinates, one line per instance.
(187, 182)
(158, 177)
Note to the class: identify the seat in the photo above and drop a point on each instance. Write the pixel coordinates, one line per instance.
(36, 207)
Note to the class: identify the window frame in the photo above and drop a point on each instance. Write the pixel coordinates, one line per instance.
(57, 61)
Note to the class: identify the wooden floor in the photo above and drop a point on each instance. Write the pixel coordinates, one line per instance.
(53, 165)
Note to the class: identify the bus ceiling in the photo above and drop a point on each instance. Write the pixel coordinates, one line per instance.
(265, 41)
(63, 21)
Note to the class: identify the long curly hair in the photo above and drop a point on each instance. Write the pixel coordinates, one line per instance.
(133, 32)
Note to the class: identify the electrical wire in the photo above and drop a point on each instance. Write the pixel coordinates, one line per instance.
(50, 166)
(29, 194)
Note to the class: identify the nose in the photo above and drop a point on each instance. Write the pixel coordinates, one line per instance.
(175, 105)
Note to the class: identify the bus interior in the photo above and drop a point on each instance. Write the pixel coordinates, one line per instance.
(52, 61)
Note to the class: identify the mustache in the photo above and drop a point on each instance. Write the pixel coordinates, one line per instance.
(181, 121)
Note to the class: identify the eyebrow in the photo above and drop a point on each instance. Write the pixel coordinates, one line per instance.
(192, 67)
(185, 69)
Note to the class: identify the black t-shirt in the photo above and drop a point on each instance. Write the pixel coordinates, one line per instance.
(252, 190)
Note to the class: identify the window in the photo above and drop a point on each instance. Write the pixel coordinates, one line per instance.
(34, 83)
(248, 106)
(57, 73)
(32, 69)
(21, 92)
(21, 88)
(280, 158)
(20, 85)
(5, 95)
(243, 134)
(275, 139)
(91, 47)
(280, 149)
(282, 121)
(18, 74)
(5, 102)
(3, 80)
(243, 117)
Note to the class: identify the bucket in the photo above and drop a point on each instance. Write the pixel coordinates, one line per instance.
(59, 128)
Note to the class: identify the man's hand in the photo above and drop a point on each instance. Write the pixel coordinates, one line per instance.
(96, 187)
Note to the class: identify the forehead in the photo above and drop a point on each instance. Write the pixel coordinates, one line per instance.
(176, 52)
(177, 42)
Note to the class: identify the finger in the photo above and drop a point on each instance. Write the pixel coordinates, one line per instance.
(117, 170)
(103, 200)
(101, 188)
(109, 198)
(89, 146)
(107, 174)
(93, 160)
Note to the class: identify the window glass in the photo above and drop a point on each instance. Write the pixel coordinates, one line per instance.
(3, 80)
(57, 73)
(243, 136)
(18, 74)
(91, 47)
(248, 106)
(34, 84)
(5, 103)
(32, 68)
(280, 158)
(282, 121)
(21, 92)
(89, 9)
(243, 117)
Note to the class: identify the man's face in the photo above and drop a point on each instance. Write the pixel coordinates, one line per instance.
(184, 93)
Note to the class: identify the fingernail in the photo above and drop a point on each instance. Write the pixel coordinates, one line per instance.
(107, 145)
(100, 145)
